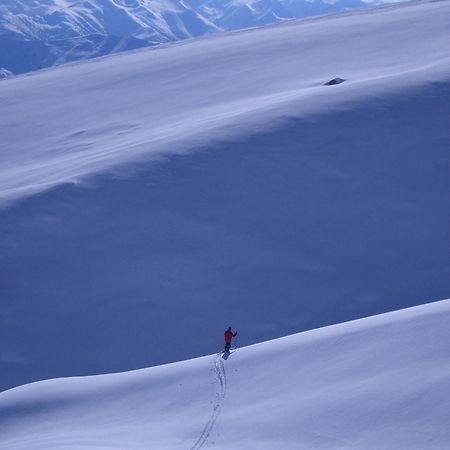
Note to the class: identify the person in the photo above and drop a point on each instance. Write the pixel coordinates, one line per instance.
(228, 335)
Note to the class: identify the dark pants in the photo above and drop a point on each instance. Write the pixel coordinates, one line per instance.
(227, 347)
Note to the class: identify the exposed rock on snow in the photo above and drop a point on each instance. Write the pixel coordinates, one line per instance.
(334, 81)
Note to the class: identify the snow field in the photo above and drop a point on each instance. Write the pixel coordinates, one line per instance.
(301, 205)
(380, 382)
(82, 119)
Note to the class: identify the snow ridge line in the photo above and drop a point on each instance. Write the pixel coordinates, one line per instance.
(219, 370)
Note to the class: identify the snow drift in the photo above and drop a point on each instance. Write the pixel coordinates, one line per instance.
(380, 382)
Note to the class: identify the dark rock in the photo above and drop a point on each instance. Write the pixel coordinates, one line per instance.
(334, 81)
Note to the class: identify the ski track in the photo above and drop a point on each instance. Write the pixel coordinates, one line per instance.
(219, 369)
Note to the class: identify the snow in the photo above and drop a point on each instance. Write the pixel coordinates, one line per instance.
(150, 199)
(4, 73)
(379, 382)
(172, 99)
(153, 198)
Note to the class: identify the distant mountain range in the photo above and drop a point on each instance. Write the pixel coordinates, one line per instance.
(37, 34)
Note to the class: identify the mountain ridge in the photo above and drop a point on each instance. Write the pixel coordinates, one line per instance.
(50, 33)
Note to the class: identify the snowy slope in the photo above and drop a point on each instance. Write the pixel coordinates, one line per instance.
(381, 382)
(289, 205)
(83, 118)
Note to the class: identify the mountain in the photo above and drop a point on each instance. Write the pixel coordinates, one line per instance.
(36, 34)
(151, 198)
(380, 382)
(52, 20)
(27, 55)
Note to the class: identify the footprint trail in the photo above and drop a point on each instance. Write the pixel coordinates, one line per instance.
(220, 374)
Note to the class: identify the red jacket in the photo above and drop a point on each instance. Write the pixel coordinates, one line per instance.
(228, 335)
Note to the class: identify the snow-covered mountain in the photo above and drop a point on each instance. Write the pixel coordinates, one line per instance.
(43, 33)
(52, 19)
(377, 383)
(21, 56)
(159, 21)
(151, 198)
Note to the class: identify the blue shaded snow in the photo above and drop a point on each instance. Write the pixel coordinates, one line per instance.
(328, 219)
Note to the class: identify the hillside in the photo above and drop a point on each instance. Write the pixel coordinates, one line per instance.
(150, 199)
(381, 382)
(84, 117)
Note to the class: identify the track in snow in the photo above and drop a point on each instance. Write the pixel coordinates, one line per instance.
(219, 370)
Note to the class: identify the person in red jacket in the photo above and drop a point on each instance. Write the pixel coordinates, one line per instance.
(228, 335)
